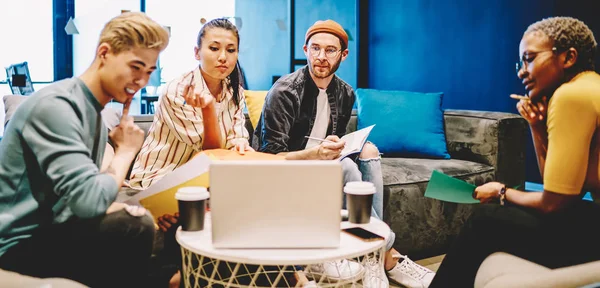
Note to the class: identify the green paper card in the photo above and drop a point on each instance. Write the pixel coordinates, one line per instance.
(450, 189)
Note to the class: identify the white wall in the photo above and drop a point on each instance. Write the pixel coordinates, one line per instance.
(183, 16)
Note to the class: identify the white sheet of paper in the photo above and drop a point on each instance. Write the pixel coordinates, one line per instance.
(193, 168)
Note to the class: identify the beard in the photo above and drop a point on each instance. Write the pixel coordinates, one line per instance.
(328, 72)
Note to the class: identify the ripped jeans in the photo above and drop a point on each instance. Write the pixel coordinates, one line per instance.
(368, 170)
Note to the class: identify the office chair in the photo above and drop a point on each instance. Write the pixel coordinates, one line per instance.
(17, 76)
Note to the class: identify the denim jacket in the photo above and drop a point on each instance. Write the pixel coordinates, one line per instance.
(290, 109)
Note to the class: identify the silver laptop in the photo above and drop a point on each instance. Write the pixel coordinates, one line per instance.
(275, 204)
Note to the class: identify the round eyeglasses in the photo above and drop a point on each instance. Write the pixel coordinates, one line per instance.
(330, 52)
(529, 57)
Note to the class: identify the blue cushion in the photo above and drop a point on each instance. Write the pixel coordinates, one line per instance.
(408, 124)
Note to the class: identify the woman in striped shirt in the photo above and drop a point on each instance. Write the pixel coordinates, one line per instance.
(201, 109)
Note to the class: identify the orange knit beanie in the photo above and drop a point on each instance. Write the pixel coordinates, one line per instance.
(327, 26)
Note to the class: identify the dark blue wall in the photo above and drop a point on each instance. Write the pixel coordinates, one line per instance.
(63, 43)
(466, 49)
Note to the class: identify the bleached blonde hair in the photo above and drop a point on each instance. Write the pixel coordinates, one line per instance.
(134, 30)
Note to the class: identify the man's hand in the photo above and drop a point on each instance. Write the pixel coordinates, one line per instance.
(328, 150)
(241, 147)
(534, 112)
(197, 99)
(166, 221)
(488, 192)
(135, 211)
(127, 137)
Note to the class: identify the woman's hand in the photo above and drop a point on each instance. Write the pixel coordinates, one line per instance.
(241, 147)
(197, 99)
(488, 192)
(534, 112)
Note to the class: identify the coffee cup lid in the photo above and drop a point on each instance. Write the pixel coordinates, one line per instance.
(359, 188)
(192, 193)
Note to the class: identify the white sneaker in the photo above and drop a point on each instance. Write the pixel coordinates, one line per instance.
(375, 275)
(337, 270)
(410, 274)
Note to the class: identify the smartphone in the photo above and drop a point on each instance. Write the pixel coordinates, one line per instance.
(363, 234)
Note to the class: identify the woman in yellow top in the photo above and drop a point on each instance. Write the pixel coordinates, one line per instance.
(555, 227)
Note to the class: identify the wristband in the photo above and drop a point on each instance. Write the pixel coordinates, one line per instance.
(502, 194)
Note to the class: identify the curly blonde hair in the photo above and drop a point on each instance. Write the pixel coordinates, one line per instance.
(568, 32)
(134, 30)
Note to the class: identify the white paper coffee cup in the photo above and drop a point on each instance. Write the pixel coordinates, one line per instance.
(359, 188)
(359, 199)
(192, 207)
(192, 193)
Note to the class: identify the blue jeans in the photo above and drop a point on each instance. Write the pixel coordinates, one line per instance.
(368, 170)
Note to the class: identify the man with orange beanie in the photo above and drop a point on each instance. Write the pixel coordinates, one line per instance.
(314, 102)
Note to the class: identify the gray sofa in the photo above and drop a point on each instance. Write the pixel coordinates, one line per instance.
(484, 146)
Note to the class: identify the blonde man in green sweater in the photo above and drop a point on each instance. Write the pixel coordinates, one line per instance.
(57, 212)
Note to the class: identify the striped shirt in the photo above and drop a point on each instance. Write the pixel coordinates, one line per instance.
(177, 132)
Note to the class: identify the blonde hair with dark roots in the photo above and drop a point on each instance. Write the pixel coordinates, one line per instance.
(134, 30)
(568, 32)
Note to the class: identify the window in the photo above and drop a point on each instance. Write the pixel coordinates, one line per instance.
(27, 36)
(90, 18)
(183, 17)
